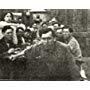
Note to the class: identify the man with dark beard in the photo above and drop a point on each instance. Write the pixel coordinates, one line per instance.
(50, 60)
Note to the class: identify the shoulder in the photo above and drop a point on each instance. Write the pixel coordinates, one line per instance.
(73, 42)
(73, 39)
(62, 47)
(2, 40)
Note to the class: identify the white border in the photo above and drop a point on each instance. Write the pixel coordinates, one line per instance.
(44, 85)
(50, 4)
(44, 4)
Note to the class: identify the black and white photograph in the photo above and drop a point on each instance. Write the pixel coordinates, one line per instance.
(44, 44)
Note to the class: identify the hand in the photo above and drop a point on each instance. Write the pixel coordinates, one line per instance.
(12, 57)
(14, 28)
(11, 50)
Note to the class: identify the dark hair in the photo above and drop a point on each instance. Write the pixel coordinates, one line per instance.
(4, 29)
(38, 16)
(4, 14)
(56, 23)
(67, 27)
(28, 30)
(44, 23)
(44, 31)
(20, 29)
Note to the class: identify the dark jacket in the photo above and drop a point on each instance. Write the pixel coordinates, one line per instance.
(4, 47)
(52, 62)
(5, 63)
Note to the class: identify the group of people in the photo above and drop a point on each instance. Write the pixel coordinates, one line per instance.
(45, 51)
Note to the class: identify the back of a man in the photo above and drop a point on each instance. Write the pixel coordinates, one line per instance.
(51, 61)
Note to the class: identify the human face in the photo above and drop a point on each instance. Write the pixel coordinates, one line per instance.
(35, 26)
(44, 26)
(8, 17)
(56, 26)
(20, 32)
(26, 34)
(66, 33)
(8, 34)
(59, 31)
(61, 26)
(47, 38)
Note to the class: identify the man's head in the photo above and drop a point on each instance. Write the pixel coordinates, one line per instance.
(34, 26)
(8, 17)
(20, 31)
(62, 26)
(67, 32)
(7, 32)
(44, 25)
(47, 36)
(56, 25)
(27, 33)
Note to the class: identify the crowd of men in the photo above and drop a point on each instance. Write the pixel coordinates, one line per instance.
(45, 51)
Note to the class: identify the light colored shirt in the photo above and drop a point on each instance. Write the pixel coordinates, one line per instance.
(75, 48)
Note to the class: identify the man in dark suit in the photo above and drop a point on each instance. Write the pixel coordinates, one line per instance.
(50, 60)
(6, 48)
